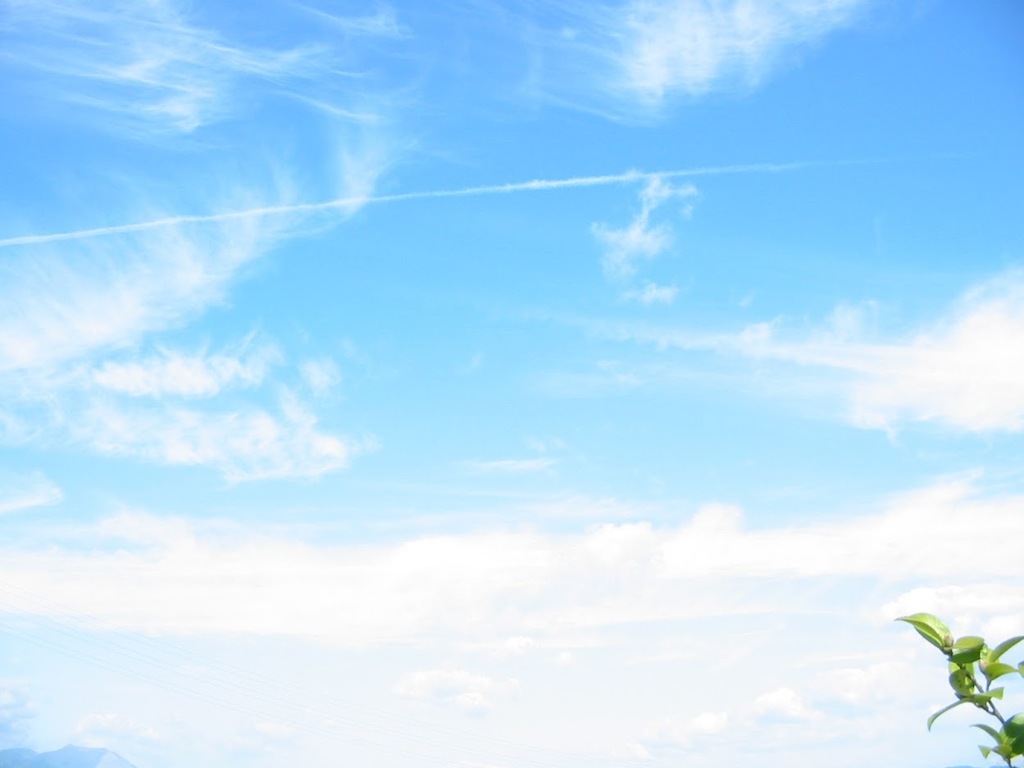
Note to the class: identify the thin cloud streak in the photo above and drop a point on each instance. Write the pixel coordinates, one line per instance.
(352, 202)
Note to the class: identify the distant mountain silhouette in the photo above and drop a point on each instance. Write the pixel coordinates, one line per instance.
(67, 757)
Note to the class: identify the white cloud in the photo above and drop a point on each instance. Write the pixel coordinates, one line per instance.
(866, 685)
(19, 491)
(652, 293)
(640, 239)
(625, 59)
(510, 466)
(321, 376)
(384, 23)
(144, 65)
(171, 372)
(683, 731)
(886, 543)
(517, 646)
(249, 444)
(992, 608)
(456, 687)
(275, 731)
(774, 721)
(16, 710)
(263, 737)
(63, 322)
(134, 408)
(783, 704)
(965, 371)
(624, 246)
(100, 728)
(491, 586)
(695, 46)
(55, 309)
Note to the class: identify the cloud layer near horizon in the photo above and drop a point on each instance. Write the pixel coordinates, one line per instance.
(169, 576)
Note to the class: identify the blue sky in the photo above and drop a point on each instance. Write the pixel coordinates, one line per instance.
(497, 384)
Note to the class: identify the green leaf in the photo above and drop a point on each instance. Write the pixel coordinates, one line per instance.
(967, 650)
(981, 699)
(931, 628)
(996, 670)
(1004, 751)
(1014, 730)
(997, 652)
(996, 736)
(968, 641)
(966, 657)
(985, 751)
(960, 682)
(944, 710)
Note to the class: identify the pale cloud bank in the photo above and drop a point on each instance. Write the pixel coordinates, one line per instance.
(783, 704)
(172, 577)
(16, 713)
(684, 731)
(99, 729)
(457, 688)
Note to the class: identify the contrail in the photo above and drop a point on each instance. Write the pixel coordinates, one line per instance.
(536, 185)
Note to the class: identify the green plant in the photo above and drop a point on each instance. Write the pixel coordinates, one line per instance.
(969, 657)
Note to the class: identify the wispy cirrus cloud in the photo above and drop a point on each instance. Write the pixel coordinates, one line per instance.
(55, 309)
(356, 196)
(627, 60)
(663, 47)
(79, 366)
(383, 23)
(27, 491)
(152, 67)
(510, 466)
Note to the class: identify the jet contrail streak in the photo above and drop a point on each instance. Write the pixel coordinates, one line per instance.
(536, 185)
